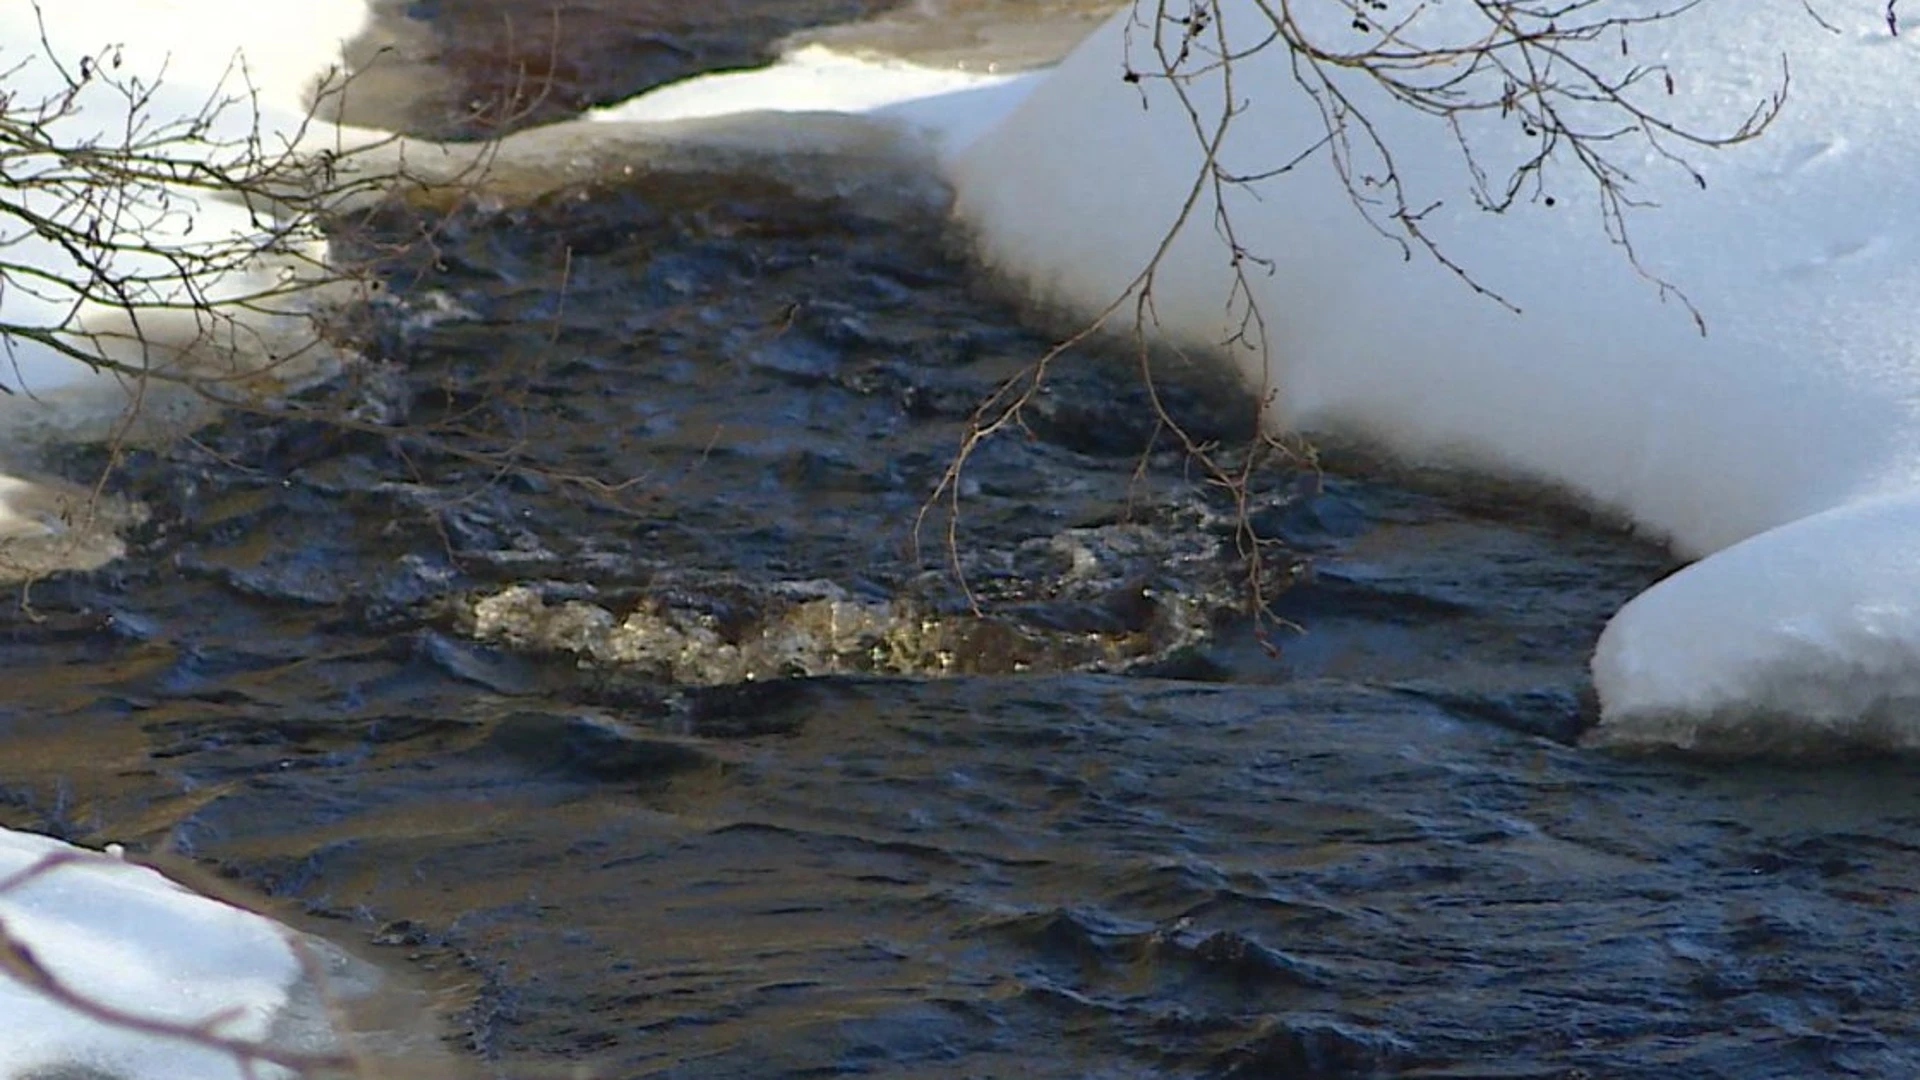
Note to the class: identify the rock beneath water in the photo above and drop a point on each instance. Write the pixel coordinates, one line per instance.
(717, 633)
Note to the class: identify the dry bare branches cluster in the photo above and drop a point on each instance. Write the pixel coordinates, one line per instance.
(175, 244)
(1530, 65)
(161, 242)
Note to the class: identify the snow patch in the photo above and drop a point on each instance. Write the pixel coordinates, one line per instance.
(128, 939)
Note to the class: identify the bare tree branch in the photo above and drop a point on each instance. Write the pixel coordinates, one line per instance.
(1532, 65)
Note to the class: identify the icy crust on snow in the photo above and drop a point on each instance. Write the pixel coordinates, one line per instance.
(126, 938)
(1799, 249)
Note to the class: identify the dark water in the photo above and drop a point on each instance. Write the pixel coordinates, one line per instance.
(1122, 840)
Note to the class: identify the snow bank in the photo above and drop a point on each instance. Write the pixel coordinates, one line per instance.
(1795, 412)
(128, 939)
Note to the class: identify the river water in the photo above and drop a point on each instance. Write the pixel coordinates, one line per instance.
(615, 704)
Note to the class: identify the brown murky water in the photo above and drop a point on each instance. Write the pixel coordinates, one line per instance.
(1123, 841)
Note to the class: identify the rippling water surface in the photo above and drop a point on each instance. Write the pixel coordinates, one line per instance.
(1120, 839)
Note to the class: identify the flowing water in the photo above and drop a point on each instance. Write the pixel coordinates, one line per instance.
(616, 705)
